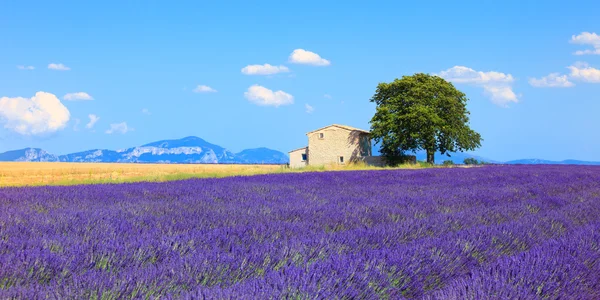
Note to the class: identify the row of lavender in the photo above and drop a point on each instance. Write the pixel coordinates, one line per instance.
(519, 232)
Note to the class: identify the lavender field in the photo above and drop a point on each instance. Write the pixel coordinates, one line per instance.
(497, 232)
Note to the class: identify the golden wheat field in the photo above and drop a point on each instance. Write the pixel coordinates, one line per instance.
(62, 173)
(44, 173)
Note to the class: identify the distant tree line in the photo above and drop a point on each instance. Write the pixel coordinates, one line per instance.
(466, 161)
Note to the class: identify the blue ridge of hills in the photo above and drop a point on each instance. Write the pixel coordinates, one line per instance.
(186, 150)
(193, 149)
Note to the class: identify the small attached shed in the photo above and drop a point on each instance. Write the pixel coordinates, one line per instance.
(299, 157)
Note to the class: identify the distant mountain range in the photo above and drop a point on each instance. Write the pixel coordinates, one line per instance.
(459, 157)
(535, 161)
(193, 149)
(186, 150)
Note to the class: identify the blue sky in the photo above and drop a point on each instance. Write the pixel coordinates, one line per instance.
(150, 70)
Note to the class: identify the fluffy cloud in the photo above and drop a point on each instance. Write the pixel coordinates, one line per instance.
(204, 89)
(76, 125)
(582, 71)
(501, 95)
(77, 96)
(460, 74)
(498, 86)
(552, 80)
(265, 69)
(25, 67)
(309, 109)
(40, 114)
(58, 67)
(301, 56)
(146, 111)
(92, 122)
(327, 96)
(121, 128)
(263, 96)
(587, 38)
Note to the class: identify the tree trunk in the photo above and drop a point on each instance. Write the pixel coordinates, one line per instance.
(430, 157)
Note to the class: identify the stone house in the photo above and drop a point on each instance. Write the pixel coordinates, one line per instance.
(335, 144)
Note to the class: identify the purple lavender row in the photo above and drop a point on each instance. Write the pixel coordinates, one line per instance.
(462, 233)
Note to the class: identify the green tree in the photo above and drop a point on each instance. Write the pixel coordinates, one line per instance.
(421, 112)
(470, 161)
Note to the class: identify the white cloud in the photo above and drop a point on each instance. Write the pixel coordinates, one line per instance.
(588, 51)
(301, 56)
(309, 109)
(76, 125)
(501, 95)
(25, 67)
(552, 80)
(460, 74)
(92, 122)
(587, 38)
(40, 114)
(146, 111)
(77, 96)
(204, 89)
(265, 69)
(497, 85)
(58, 67)
(327, 96)
(582, 71)
(263, 96)
(121, 128)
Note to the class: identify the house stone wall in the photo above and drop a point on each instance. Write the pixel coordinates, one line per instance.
(377, 161)
(380, 161)
(296, 158)
(336, 142)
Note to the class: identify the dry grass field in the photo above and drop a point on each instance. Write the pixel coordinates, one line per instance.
(52, 173)
(59, 173)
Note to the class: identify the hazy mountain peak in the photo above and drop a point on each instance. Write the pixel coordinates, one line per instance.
(261, 155)
(190, 149)
(189, 141)
(28, 154)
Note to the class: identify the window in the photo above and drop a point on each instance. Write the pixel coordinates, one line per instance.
(341, 159)
(321, 135)
(303, 156)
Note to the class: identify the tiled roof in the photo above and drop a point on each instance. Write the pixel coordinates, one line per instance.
(298, 149)
(350, 128)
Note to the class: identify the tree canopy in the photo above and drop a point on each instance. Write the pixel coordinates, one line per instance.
(421, 112)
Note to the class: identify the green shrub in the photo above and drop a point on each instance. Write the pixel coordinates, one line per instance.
(448, 163)
(471, 161)
(401, 159)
